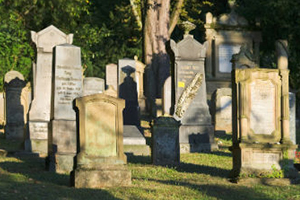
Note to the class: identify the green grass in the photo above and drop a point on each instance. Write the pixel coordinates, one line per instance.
(199, 176)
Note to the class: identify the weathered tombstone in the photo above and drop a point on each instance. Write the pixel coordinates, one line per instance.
(127, 90)
(140, 68)
(196, 132)
(100, 161)
(111, 74)
(93, 85)
(39, 114)
(67, 85)
(110, 91)
(14, 110)
(165, 141)
(167, 97)
(222, 111)
(26, 100)
(225, 35)
(292, 99)
(261, 136)
(2, 117)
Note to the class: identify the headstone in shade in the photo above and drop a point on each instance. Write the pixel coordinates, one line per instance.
(39, 114)
(196, 132)
(67, 85)
(111, 73)
(93, 85)
(100, 160)
(127, 90)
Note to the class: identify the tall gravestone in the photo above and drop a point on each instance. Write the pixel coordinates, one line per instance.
(100, 161)
(225, 35)
(261, 136)
(111, 73)
(167, 97)
(67, 85)
(127, 90)
(14, 109)
(93, 85)
(39, 114)
(292, 99)
(196, 132)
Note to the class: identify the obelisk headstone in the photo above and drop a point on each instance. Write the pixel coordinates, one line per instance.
(39, 114)
(67, 85)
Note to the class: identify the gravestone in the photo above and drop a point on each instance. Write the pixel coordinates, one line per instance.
(93, 85)
(67, 85)
(39, 114)
(225, 35)
(140, 69)
(2, 117)
(261, 136)
(196, 132)
(100, 161)
(223, 110)
(110, 91)
(127, 90)
(111, 74)
(167, 97)
(165, 141)
(292, 99)
(14, 110)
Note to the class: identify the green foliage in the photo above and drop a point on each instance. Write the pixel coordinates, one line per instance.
(276, 173)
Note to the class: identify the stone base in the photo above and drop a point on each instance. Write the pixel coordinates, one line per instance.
(137, 150)
(37, 146)
(60, 163)
(109, 176)
(263, 159)
(196, 138)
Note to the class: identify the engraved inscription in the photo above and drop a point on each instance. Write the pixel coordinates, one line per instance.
(262, 158)
(262, 109)
(186, 74)
(38, 130)
(225, 54)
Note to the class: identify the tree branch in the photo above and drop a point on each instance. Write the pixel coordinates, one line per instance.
(175, 15)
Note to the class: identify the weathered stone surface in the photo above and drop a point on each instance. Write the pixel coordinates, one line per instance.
(2, 117)
(111, 92)
(223, 110)
(100, 160)
(167, 97)
(165, 141)
(13, 85)
(93, 85)
(111, 74)
(127, 90)
(292, 99)
(133, 136)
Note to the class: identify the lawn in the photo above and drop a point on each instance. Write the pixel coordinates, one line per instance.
(199, 176)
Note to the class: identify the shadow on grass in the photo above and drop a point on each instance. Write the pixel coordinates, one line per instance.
(219, 153)
(231, 192)
(138, 159)
(202, 169)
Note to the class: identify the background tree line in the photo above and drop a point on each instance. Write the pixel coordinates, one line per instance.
(109, 30)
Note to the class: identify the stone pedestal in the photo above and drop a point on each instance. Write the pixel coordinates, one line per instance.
(38, 137)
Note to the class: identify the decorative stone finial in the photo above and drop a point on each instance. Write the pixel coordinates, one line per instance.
(187, 27)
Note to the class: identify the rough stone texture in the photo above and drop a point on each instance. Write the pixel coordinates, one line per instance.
(93, 85)
(223, 110)
(101, 159)
(190, 94)
(261, 137)
(67, 85)
(111, 92)
(225, 35)
(111, 74)
(165, 141)
(14, 110)
(167, 97)
(128, 90)
(292, 99)
(40, 108)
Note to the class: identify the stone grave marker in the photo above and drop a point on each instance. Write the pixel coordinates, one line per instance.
(111, 74)
(100, 159)
(127, 89)
(39, 114)
(67, 85)
(292, 99)
(140, 69)
(93, 85)
(167, 97)
(196, 132)
(223, 110)
(14, 110)
(2, 117)
(165, 141)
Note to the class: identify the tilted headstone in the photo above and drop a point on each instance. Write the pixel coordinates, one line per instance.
(196, 132)
(223, 110)
(39, 114)
(292, 99)
(127, 90)
(100, 160)
(67, 85)
(261, 135)
(111, 74)
(93, 85)
(14, 110)
(165, 141)
(167, 97)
